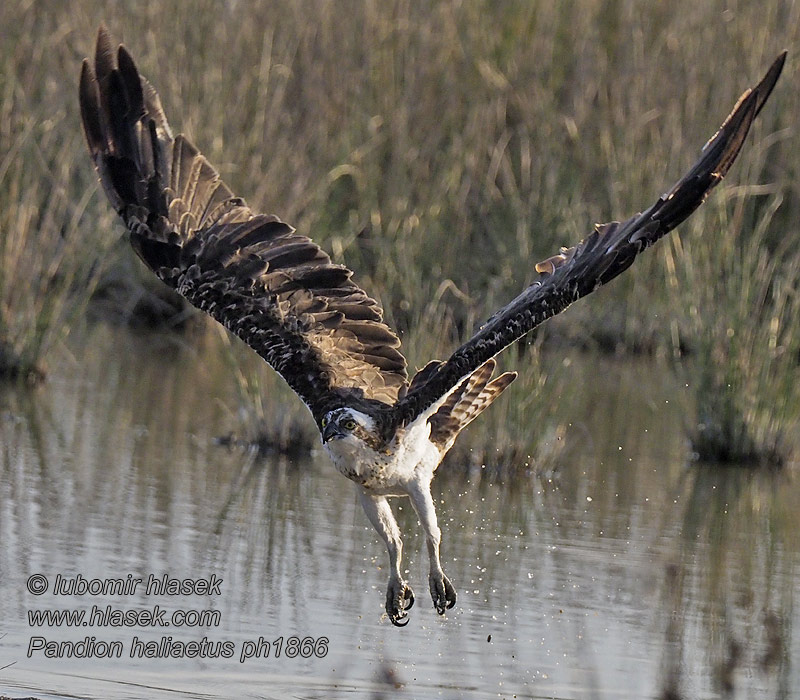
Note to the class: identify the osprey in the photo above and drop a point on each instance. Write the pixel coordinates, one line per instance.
(282, 295)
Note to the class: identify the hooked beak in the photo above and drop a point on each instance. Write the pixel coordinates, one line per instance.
(331, 432)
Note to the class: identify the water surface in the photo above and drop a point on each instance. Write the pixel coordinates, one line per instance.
(620, 570)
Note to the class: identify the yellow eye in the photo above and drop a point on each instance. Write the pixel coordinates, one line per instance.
(325, 421)
(349, 424)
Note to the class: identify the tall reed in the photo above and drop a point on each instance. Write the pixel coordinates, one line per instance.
(739, 304)
(50, 246)
(438, 149)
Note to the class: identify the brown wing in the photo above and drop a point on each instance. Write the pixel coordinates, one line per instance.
(275, 289)
(608, 251)
(472, 397)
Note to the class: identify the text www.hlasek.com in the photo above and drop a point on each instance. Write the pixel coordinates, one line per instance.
(109, 616)
(157, 616)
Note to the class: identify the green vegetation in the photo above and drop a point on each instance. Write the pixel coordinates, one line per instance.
(440, 150)
(49, 250)
(741, 305)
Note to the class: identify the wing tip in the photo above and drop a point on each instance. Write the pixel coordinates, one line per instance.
(767, 83)
(132, 82)
(738, 124)
(103, 53)
(89, 99)
(501, 383)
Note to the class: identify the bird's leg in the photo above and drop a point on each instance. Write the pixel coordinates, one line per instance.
(442, 591)
(399, 596)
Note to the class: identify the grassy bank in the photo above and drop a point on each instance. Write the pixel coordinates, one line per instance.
(439, 150)
(49, 246)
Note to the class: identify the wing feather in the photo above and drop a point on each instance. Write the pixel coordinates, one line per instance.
(575, 272)
(275, 289)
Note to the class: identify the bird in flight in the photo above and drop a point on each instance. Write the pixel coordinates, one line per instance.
(281, 294)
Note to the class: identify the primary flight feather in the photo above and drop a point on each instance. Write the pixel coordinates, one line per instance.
(281, 294)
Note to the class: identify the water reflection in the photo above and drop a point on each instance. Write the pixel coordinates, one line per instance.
(742, 619)
(621, 573)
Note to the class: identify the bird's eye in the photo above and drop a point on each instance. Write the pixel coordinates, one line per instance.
(349, 424)
(325, 421)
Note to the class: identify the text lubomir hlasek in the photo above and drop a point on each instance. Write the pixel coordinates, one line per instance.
(130, 585)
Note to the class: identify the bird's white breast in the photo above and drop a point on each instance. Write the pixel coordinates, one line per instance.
(385, 471)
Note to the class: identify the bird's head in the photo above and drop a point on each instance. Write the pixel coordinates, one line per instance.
(347, 424)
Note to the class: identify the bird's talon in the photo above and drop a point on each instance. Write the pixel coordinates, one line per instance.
(399, 600)
(442, 593)
(396, 620)
(408, 597)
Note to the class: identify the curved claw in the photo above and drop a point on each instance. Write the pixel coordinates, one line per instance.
(442, 593)
(396, 620)
(399, 600)
(408, 596)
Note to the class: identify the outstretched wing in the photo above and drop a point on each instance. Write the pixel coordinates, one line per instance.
(275, 289)
(605, 253)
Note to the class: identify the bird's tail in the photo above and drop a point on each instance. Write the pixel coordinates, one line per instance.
(475, 394)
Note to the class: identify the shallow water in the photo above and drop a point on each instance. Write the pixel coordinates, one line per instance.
(622, 571)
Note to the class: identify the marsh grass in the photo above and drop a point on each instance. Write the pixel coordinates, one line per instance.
(268, 421)
(521, 436)
(740, 305)
(47, 265)
(438, 149)
(127, 293)
(49, 252)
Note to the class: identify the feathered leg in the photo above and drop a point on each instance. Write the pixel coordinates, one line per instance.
(399, 596)
(442, 591)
